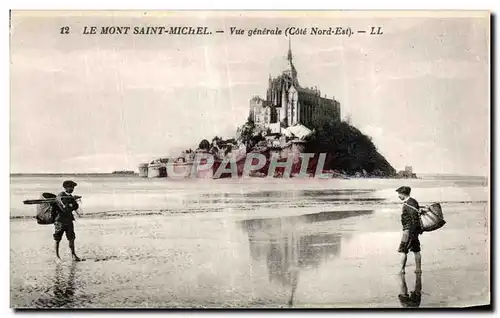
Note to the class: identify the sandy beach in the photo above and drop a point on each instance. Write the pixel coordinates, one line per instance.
(274, 243)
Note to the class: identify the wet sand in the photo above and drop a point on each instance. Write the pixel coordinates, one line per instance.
(325, 256)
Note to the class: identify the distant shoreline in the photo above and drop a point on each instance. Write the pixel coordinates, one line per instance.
(423, 176)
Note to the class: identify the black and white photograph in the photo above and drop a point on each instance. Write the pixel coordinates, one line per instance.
(249, 159)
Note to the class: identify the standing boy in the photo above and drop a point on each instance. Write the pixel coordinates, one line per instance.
(410, 220)
(64, 218)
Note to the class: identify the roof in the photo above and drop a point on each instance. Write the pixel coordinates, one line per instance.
(299, 131)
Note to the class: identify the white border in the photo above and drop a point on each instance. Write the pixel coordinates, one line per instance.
(184, 4)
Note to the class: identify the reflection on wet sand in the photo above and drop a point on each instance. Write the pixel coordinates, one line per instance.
(254, 226)
(63, 288)
(413, 299)
(280, 243)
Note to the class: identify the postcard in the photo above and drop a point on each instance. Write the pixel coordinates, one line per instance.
(250, 159)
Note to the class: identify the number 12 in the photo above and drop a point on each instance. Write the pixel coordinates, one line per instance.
(65, 30)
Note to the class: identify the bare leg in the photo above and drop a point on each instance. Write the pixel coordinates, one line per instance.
(72, 247)
(403, 250)
(418, 262)
(403, 262)
(57, 249)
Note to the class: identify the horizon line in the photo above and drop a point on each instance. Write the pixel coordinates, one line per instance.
(121, 172)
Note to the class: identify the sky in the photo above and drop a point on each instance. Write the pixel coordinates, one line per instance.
(99, 103)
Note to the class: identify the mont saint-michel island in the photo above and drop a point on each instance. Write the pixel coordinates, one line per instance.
(294, 130)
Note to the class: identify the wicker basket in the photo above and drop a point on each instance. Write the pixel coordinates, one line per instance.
(432, 219)
(45, 212)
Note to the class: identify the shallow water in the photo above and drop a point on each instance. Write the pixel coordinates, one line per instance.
(262, 243)
(133, 195)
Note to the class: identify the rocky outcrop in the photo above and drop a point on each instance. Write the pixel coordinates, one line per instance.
(349, 151)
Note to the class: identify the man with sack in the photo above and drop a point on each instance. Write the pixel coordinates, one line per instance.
(410, 220)
(63, 221)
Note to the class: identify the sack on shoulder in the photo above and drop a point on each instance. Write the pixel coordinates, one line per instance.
(432, 219)
(46, 212)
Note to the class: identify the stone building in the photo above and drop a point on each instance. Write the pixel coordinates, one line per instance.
(287, 103)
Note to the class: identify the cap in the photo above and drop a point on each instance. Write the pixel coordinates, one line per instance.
(404, 190)
(69, 184)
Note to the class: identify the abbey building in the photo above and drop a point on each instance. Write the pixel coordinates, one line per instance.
(288, 104)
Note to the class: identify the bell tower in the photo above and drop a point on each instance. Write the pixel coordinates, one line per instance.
(290, 69)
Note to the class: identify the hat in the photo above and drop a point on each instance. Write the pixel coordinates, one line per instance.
(404, 190)
(69, 184)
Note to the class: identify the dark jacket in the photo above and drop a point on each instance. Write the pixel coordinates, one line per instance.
(410, 218)
(66, 204)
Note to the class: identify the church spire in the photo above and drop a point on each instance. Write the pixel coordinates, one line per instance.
(290, 70)
(289, 57)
